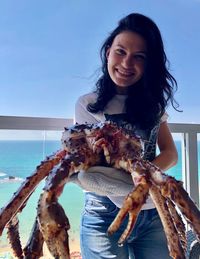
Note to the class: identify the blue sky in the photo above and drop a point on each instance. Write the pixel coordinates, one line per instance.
(49, 51)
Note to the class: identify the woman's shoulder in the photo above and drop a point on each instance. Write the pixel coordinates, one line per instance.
(82, 115)
(87, 98)
(164, 117)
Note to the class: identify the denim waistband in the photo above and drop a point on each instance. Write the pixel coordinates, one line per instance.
(95, 197)
(104, 199)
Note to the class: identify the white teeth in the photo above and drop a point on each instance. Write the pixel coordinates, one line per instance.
(125, 73)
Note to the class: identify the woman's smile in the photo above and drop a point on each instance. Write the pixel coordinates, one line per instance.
(124, 73)
(126, 58)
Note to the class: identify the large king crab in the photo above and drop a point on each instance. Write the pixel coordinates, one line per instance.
(86, 145)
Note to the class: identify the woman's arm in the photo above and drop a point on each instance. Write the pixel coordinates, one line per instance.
(168, 156)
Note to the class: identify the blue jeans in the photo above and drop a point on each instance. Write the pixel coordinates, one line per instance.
(147, 239)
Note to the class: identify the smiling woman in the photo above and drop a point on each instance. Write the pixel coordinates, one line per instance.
(50, 49)
(126, 60)
(133, 91)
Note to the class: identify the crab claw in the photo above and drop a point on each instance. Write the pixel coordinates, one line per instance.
(132, 205)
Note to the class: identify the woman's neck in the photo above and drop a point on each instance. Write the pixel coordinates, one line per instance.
(122, 90)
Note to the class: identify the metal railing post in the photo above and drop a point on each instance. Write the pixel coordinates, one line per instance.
(190, 165)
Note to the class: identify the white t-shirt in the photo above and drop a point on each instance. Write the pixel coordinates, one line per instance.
(114, 111)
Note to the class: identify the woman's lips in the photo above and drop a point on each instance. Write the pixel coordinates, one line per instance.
(124, 73)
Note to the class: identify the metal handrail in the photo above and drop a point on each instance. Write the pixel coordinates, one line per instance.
(189, 142)
(33, 123)
(43, 123)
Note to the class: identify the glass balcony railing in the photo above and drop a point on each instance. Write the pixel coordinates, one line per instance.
(26, 141)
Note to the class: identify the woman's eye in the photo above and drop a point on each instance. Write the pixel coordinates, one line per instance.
(140, 57)
(120, 51)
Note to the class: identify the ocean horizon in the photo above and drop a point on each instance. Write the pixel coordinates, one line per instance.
(18, 159)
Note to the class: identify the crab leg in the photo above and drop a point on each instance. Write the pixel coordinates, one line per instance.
(174, 245)
(13, 236)
(53, 221)
(27, 188)
(137, 168)
(132, 205)
(33, 249)
(174, 191)
(54, 225)
(134, 201)
(178, 222)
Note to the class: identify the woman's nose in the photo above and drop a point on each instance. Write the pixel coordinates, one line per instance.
(128, 62)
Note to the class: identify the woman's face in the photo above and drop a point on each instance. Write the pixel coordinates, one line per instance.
(126, 59)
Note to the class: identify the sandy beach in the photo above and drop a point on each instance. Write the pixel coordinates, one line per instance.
(6, 253)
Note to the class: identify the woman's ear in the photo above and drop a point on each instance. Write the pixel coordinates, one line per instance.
(107, 52)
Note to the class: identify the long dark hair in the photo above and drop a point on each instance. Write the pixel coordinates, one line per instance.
(148, 99)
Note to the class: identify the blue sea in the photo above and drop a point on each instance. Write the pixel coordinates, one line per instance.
(19, 159)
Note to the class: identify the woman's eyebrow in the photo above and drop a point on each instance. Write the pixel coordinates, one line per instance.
(121, 46)
(139, 51)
